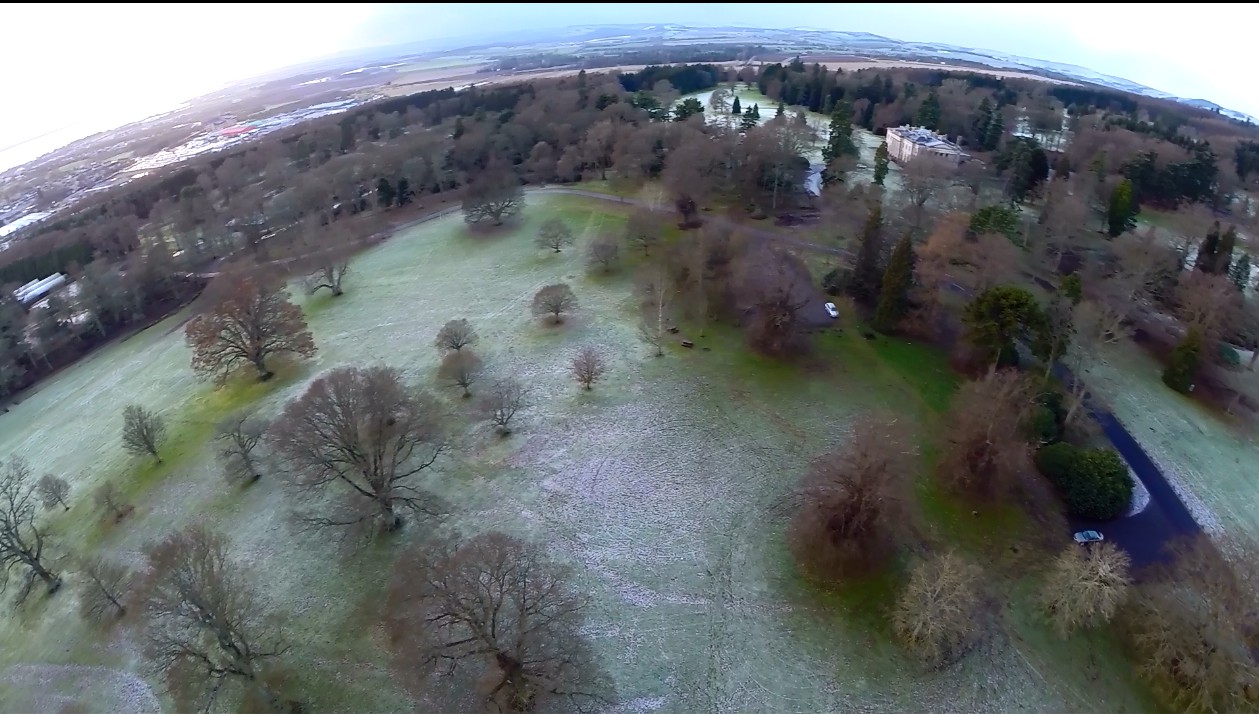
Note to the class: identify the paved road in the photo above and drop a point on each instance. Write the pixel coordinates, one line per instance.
(1145, 534)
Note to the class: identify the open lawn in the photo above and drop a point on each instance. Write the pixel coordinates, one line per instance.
(667, 486)
(1210, 461)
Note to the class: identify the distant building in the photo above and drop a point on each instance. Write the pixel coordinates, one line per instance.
(904, 143)
(36, 289)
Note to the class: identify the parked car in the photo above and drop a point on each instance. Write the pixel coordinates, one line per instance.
(831, 310)
(1086, 537)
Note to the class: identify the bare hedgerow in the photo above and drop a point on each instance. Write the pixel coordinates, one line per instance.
(857, 506)
(1086, 586)
(496, 613)
(938, 614)
(1193, 624)
(986, 452)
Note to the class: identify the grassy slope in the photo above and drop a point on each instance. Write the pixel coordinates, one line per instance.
(666, 485)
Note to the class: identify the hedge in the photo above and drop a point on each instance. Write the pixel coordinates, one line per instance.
(1094, 483)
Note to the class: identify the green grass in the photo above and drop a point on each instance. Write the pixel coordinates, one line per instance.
(664, 487)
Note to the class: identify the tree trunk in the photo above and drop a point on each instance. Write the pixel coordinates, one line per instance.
(1254, 355)
(263, 373)
(389, 516)
(50, 579)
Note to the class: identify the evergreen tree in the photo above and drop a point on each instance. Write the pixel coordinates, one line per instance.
(782, 109)
(840, 142)
(979, 124)
(1240, 272)
(994, 131)
(1062, 167)
(866, 274)
(1224, 257)
(1209, 249)
(1183, 366)
(929, 111)
(736, 108)
(751, 118)
(1121, 216)
(880, 164)
(458, 128)
(898, 279)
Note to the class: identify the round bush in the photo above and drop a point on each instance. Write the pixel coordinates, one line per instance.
(1094, 483)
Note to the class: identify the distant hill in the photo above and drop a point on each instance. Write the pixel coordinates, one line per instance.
(801, 39)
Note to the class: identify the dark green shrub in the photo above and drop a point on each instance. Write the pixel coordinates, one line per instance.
(1183, 366)
(1094, 483)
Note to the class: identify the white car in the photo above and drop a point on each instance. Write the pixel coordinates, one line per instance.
(831, 310)
(1086, 537)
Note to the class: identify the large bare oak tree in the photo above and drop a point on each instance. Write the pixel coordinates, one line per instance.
(493, 609)
(366, 432)
(22, 537)
(206, 628)
(251, 321)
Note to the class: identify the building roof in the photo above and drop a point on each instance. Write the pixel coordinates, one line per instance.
(927, 139)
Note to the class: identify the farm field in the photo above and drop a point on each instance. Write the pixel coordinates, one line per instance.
(666, 486)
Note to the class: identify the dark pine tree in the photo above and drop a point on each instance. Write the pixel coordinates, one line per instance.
(898, 279)
(866, 274)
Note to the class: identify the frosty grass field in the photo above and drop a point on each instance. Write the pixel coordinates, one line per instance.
(664, 487)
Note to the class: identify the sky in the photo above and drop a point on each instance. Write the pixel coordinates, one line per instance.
(70, 70)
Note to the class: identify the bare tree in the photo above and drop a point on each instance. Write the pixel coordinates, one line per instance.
(986, 451)
(554, 234)
(239, 437)
(106, 588)
(1193, 624)
(776, 287)
(54, 491)
(143, 431)
(1086, 586)
(461, 369)
(249, 321)
(455, 335)
(1209, 303)
(856, 504)
(22, 538)
(501, 401)
(367, 431)
(554, 300)
(493, 195)
(604, 253)
(655, 294)
(643, 230)
(205, 626)
(937, 616)
(493, 610)
(922, 180)
(588, 367)
(111, 499)
(325, 253)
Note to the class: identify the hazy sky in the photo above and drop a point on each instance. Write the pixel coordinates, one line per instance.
(94, 67)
